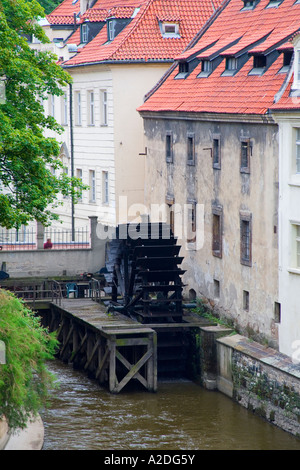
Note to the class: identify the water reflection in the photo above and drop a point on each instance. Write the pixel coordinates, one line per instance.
(180, 416)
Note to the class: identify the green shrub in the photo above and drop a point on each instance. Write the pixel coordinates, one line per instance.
(25, 381)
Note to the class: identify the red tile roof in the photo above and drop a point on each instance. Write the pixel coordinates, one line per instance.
(232, 32)
(141, 39)
(64, 13)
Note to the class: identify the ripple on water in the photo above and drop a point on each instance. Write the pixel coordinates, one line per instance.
(180, 416)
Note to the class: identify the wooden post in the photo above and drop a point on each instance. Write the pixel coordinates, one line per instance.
(112, 363)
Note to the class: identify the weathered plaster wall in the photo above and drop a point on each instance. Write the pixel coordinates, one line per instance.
(256, 193)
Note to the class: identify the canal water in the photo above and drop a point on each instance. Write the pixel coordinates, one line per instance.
(180, 416)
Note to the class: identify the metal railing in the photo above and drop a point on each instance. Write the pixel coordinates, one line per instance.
(22, 239)
(62, 238)
(51, 291)
(26, 238)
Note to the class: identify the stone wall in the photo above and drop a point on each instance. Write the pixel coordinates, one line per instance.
(260, 379)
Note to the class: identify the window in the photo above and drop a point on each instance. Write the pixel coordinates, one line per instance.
(216, 154)
(105, 187)
(84, 33)
(245, 300)
(216, 289)
(78, 108)
(259, 64)
(259, 61)
(183, 67)
(171, 217)
(169, 29)
(246, 151)
(191, 149)
(64, 119)
(287, 59)
(169, 147)
(297, 150)
(231, 63)
(246, 239)
(91, 116)
(277, 312)
(104, 108)
(217, 227)
(192, 223)
(206, 66)
(92, 184)
(110, 30)
(296, 247)
(274, 3)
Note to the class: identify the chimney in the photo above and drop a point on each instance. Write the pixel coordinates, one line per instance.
(84, 5)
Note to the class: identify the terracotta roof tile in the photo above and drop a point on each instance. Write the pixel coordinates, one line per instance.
(259, 30)
(141, 39)
(64, 13)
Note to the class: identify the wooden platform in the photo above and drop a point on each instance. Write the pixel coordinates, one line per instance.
(111, 347)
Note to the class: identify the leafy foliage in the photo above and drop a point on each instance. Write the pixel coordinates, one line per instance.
(29, 189)
(24, 380)
(49, 5)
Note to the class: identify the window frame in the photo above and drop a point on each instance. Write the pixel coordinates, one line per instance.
(216, 162)
(296, 163)
(78, 108)
(105, 187)
(84, 33)
(217, 231)
(92, 184)
(104, 107)
(91, 109)
(192, 218)
(243, 168)
(246, 243)
(191, 138)
(169, 147)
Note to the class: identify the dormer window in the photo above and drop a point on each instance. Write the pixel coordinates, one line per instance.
(274, 3)
(183, 70)
(110, 30)
(287, 59)
(206, 68)
(231, 63)
(231, 66)
(169, 29)
(84, 33)
(259, 64)
(248, 4)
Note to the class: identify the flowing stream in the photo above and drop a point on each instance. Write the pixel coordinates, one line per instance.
(180, 416)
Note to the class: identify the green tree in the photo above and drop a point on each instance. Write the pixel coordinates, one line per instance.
(29, 189)
(49, 5)
(25, 382)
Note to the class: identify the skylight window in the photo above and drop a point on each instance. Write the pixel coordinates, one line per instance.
(169, 29)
